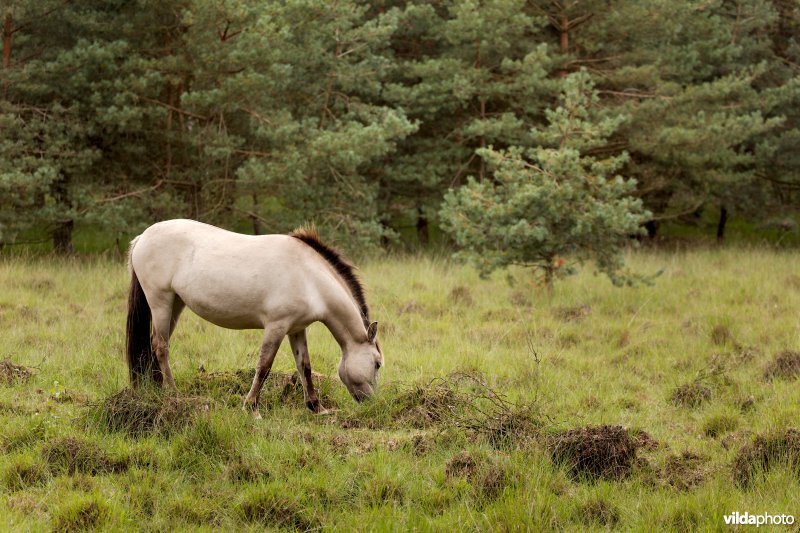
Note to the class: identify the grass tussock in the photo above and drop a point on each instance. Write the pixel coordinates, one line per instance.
(684, 471)
(594, 452)
(692, 394)
(599, 511)
(485, 475)
(463, 402)
(11, 373)
(81, 514)
(786, 365)
(23, 474)
(73, 455)
(779, 448)
(264, 506)
(230, 388)
(139, 413)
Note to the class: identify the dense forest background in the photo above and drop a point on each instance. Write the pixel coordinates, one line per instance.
(581, 118)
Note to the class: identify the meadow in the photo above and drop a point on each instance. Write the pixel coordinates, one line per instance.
(502, 406)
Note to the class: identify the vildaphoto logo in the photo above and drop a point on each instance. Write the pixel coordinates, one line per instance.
(746, 519)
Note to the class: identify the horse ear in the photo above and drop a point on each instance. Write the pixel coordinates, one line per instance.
(372, 332)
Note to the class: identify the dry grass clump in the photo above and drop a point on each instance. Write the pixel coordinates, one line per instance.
(721, 335)
(684, 471)
(465, 401)
(720, 424)
(486, 476)
(691, 394)
(422, 406)
(573, 314)
(73, 454)
(766, 452)
(11, 373)
(786, 365)
(599, 511)
(22, 475)
(230, 388)
(595, 451)
(139, 413)
(267, 508)
(461, 296)
(81, 515)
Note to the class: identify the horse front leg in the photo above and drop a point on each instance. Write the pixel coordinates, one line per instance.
(269, 348)
(299, 344)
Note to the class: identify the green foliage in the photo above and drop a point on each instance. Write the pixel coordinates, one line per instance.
(553, 203)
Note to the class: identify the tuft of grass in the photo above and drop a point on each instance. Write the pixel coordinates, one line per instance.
(274, 508)
(81, 513)
(599, 511)
(684, 471)
(141, 412)
(778, 448)
(11, 373)
(691, 394)
(594, 451)
(719, 424)
(786, 365)
(71, 455)
(24, 473)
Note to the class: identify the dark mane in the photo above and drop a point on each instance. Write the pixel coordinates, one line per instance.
(341, 265)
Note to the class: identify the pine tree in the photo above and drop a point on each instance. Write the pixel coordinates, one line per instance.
(553, 206)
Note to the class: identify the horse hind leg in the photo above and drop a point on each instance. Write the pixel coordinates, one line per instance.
(299, 344)
(165, 310)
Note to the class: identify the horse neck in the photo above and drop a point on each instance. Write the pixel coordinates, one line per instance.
(346, 324)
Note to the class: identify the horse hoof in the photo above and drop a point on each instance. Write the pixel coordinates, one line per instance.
(256, 414)
(323, 411)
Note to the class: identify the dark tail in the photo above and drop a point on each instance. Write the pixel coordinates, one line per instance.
(142, 362)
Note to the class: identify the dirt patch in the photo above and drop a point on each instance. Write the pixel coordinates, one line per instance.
(574, 313)
(721, 335)
(140, 413)
(73, 454)
(461, 295)
(766, 452)
(684, 471)
(691, 394)
(644, 440)
(594, 451)
(11, 373)
(786, 365)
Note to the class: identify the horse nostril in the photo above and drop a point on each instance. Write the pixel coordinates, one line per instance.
(377, 365)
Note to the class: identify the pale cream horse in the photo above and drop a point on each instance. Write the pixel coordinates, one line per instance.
(278, 283)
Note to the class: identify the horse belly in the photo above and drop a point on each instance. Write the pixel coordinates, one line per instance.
(221, 303)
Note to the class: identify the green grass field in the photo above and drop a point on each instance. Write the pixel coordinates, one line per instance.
(482, 381)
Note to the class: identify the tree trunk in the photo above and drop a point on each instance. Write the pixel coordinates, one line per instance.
(256, 221)
(652, 228)
(62, 238)
(723, 219)
(422, 228)
(62, 234)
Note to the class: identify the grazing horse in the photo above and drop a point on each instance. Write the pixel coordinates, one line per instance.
(278, 283)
